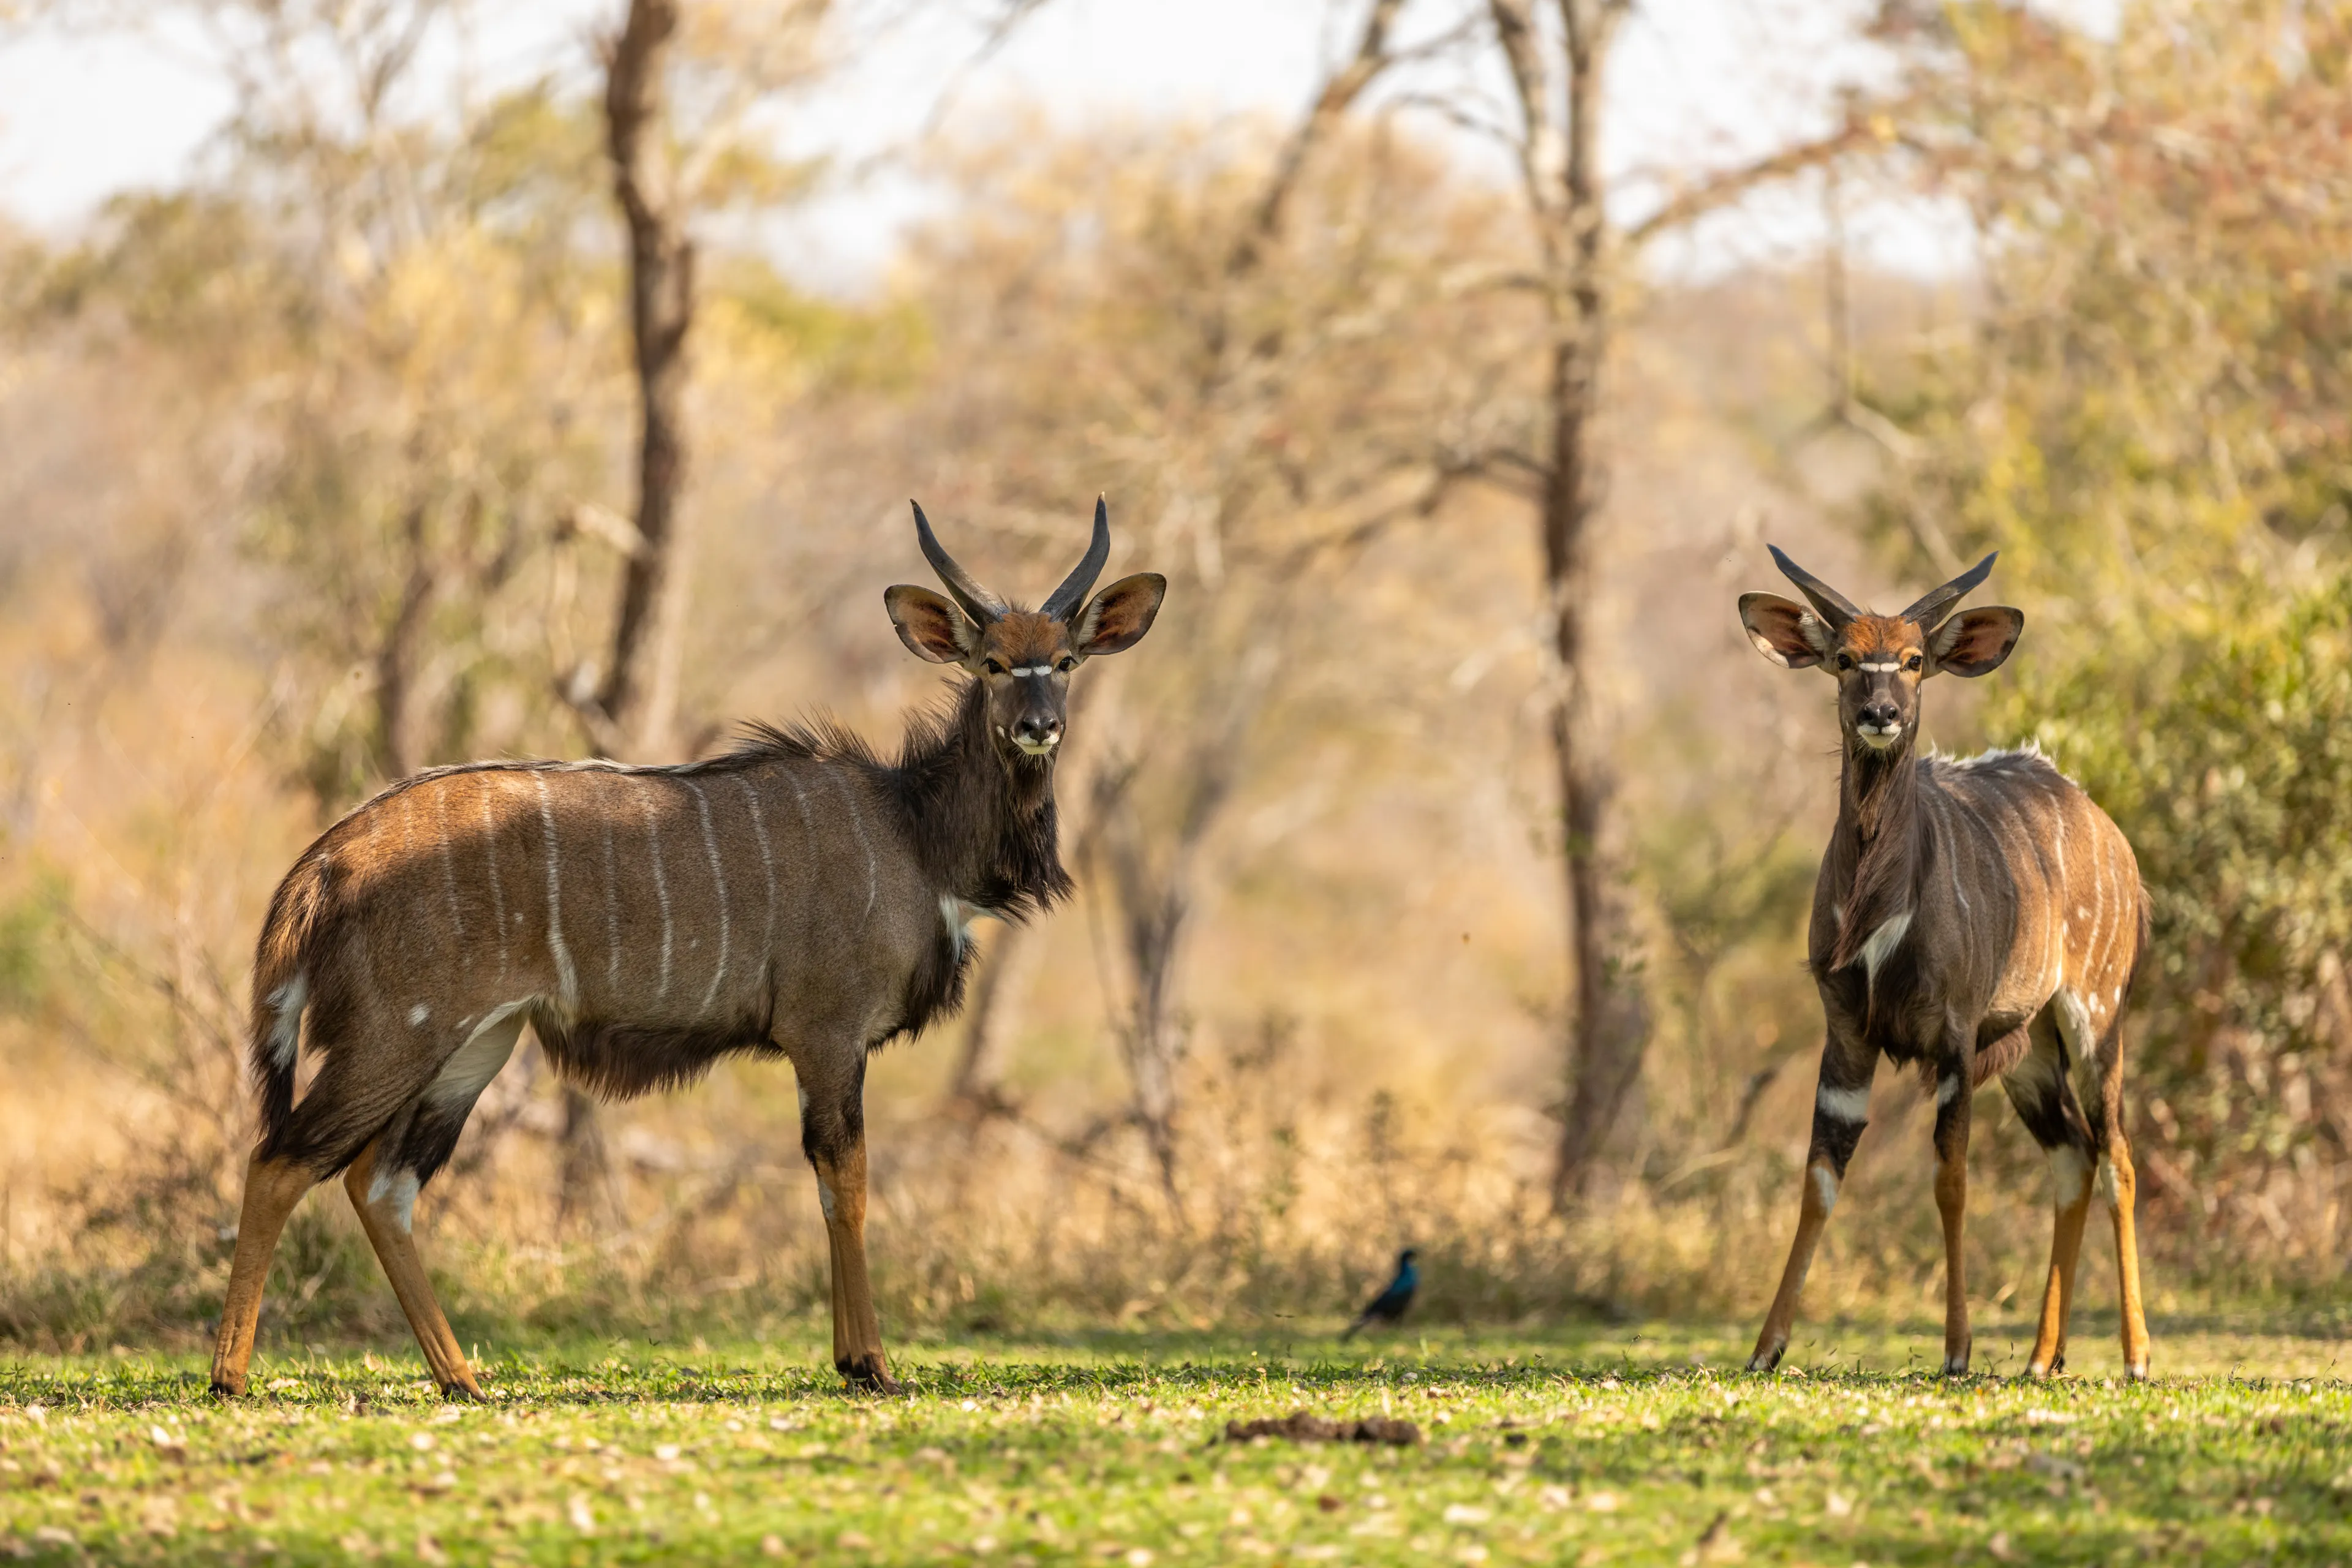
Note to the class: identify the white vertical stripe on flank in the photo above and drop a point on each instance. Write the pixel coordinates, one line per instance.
(661, 892)
(2097, 946)
(498, 888)
(767, 862)
(857, 824)
(449, 877)
(2065, 898)
(718, 880)
(809, 902)
(407, 859)
(1950, 843)
(612, 911)
(567, 979)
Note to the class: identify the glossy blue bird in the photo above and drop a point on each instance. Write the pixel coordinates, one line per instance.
(1389, 1304)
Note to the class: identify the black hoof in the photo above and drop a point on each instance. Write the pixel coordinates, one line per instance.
(869, 1374)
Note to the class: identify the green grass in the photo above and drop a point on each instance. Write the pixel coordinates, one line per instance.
(1593, 1446)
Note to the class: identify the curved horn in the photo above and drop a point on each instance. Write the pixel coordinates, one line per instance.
(1072, 594)
(978, 603)
(1834, 606)
(1931, 607)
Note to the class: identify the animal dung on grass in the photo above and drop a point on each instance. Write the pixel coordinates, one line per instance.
(1299, 1427)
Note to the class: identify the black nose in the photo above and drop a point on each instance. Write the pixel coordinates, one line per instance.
(1035, 729)
(1880, 715)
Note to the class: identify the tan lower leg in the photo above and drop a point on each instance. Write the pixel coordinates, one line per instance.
(384, 1214)
(856, 1327)
(272, 1188)
(2070, 1172)
(1812, 1215)
(2123, 1184)
(1952, 1206)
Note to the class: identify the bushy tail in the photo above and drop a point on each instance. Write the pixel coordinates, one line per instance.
(281, 989)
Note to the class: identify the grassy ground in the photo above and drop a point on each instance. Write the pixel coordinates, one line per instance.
(1600, 1446)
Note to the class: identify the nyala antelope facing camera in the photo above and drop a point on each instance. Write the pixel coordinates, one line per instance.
(1974, 917)
(797, 898)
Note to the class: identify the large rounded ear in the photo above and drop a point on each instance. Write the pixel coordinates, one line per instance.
(930, 625)
(1975, 642)
(1784, 631)
(1120, 615)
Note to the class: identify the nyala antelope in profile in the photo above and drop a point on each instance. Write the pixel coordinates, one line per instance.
(796, 897)
(1975, 919)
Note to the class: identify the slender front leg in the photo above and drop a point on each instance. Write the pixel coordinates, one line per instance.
(832, 1134)
(272, 1188)
(1841, 1109)
(1952, 1117)
(386, 1198)
(2123, 1186)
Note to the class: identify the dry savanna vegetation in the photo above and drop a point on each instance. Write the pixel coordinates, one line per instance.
(1443, 855)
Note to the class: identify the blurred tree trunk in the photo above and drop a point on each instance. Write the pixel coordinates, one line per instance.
(1607, 1026)
(1155, 892)
(1559, 99)
(637, 710)
(396, 655)
(639, 702)
(974, 1094)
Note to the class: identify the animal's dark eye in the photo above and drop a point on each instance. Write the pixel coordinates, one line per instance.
(1845, 661)
(1913, 662)
(1068, 664)
(992, 668)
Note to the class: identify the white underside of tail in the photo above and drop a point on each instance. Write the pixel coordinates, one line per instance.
(286, 1034)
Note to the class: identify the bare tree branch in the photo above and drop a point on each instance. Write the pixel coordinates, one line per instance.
(661, 310)
(1340, 91)
(1722, 190)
